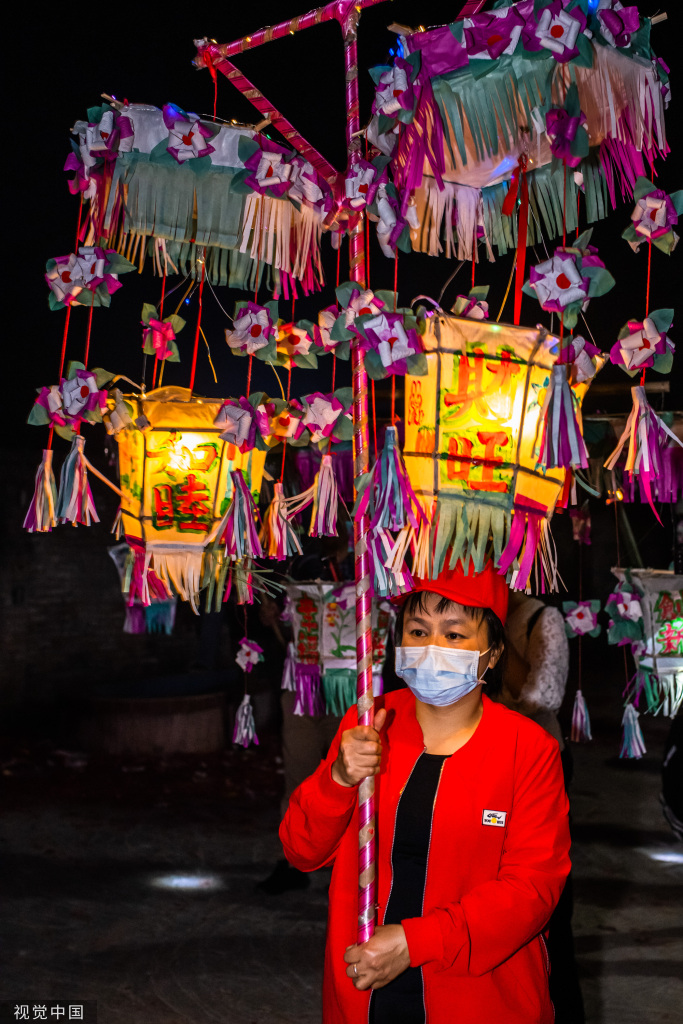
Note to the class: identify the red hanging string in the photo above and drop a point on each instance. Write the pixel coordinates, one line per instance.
(65, 334)
(647, 297)
(196, 333)
(393, 399)
(289, 391)
(161, 317)
(474, 253)
(395, 280)
(334, 368)
(86, 354)
(251, 359)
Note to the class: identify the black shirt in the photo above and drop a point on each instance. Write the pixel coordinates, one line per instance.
(402, 1000)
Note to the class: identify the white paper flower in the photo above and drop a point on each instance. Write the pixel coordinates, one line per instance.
(558, 282)
(304, 183)
(186, 140)
(250, 332)
(558, 33)
(236, 422)
(629, 607)
(364, 302)
(54, 399)
(581, 619)
(76, 393)
(650, 216)
(273, 170)
(584, 367)
(321, 415)
(638, 347)
(358, 184)
(97, 135)
(249, 654)
(392, 84)
(91, 264)
(393, 340)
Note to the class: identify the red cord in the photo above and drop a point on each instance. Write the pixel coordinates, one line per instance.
(374, 418)
(334, 368)
(393, 399)
(395, 280)
(251, 359)
(196, 333)
(338, 256)
(161, 317)
(649, 264)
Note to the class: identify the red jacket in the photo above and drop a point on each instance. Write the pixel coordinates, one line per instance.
(490, 888)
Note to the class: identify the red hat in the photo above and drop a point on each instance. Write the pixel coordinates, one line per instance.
(485, 589)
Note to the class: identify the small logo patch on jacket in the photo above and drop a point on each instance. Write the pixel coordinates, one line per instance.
(494, 818)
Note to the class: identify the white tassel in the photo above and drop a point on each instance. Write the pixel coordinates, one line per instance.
(75, 502)
(632, 744)
(41, 516)
(245, 731)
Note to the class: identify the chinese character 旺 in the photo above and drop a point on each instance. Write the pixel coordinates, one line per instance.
(75, 1013)
(57, 1011)
(461, 453)
(192, 497)
(163, 507)
(21, 1012)
(40, 1012)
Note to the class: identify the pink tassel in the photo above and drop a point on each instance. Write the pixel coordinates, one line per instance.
(238, 527)
(140, 582)
(277, 535)
(245, 730)
(562, 445)
(41, 516)
(75, 502)
(323, 494)
(632, 744)
(581, 723)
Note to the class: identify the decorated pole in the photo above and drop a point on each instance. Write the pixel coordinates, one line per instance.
(361, 454)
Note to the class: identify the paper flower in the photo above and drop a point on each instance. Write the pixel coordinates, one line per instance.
(489, 35)
(81, 395)
(558, 282)
(360, 304)
(187, 136)
(395, 345)
(654, 217)
(87, 278)
(617, 23)
(566, 134)
(581, 618)
(473, 305)
(249, 654)
(360, 185)
(253, 330)
(395, 222)
(626, 625)
(325, 414)
(158, 338)
(237, 418)
(327, 318)
(78, 397)
(307, 186)
(557, 30)
(580, 354)
(270, 169)
(277, 419)
(645, 344)
(293, 345)
(394, 93)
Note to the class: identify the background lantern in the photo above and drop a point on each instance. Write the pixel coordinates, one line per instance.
(472, 442)
(176, 483)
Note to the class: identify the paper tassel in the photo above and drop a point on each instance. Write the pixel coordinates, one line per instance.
(562, 445)
(245, 732)
(309, 699)
(41, 516)
(647, 436)
(339, 688)
(160, 617)
(140, 582)
(277, 536)
(288, 676)
(323, 494)
(581, 723)
(632, 744)
(530, 547)
(237, 528)
(74, 501)
(661, 691)
(180, 572)
(134, 622)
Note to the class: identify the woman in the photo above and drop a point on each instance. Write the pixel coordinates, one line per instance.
(472, 836)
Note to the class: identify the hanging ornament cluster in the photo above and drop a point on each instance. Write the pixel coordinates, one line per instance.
(87, 278)
(565, 283)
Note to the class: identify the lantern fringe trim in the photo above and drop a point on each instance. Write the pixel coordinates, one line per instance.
(309, 698)
(581, 723)
(323, 494)
(75, 501)
(244, 732)
(632, 744)
(41, 516)
(562, 445)
(140, 582)
(277, 536)
(180, 572)
(647, 436)
(662, 692)
(339, 689)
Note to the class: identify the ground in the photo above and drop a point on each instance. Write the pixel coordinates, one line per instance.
(87, 841)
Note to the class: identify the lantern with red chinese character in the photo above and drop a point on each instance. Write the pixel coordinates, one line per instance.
(473, 433)
(175, 478)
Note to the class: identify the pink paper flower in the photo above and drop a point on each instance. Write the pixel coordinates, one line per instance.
(395, 90)
(580, 354)
(360, 304)
(617, 23)
(160, 334)
(653, 216)
(68, 276)
(238, 420)
(386, 333)
(360, 185)
(638, 349)
(582, 619)
(321, 331)
(491, 34)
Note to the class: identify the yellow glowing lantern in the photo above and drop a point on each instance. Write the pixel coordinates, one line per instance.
(472, 439)
(175, 482)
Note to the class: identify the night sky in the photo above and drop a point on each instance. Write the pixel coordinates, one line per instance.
(144, 53)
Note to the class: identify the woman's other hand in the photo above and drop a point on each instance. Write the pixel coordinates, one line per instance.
(360, 752)
(379, 960)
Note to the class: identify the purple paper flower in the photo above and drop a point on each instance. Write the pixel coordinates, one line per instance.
(395, 90)
(277, 421)
(653, 216)
(472, 307)
(238, 420)
(392, 341)
(252, 328)
(321, 331)
(322, 413)
(360, 185)
(489, 35)
(249, 654)
(617, 23)
(561, 130)
(270, 171)
(68, 402)
(557, 282)
(639, 347)
(186, 134)
(556, 30)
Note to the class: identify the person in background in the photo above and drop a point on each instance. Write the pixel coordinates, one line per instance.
(533, 682)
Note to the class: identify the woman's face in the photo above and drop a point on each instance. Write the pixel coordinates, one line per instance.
(451, 627)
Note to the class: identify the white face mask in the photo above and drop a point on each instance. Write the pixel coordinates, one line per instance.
(438, 675)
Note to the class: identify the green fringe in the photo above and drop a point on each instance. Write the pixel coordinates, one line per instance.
(339, 690)
(471, 531)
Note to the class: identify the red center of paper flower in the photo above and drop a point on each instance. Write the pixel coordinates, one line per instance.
(398, 92)
(255, 330)
(563, 281)
(269, 172)
(93, 269)
(646, 343)
(66, 277)
(556, 31)
(285, 419)
(187, 139)
(492, 40)
(392, 340)
(364, 310)
(362, 188)
(579, 615)
(85, 391)
(653, 214)
(105, 135)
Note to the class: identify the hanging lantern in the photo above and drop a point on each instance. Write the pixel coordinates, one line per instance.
(175, 478)
(473, 433)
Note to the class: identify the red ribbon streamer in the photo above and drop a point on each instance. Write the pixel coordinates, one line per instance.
(519, 179)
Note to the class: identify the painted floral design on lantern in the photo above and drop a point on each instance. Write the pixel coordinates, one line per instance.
(644, 344)
(557, 30)
(238, 420)
(252, 329)
(360, 185)
(249, 654)
(187, 136)
(617, 23)
(493, 33)
(581, 618)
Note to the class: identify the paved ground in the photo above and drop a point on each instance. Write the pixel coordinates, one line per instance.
(86, 845)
